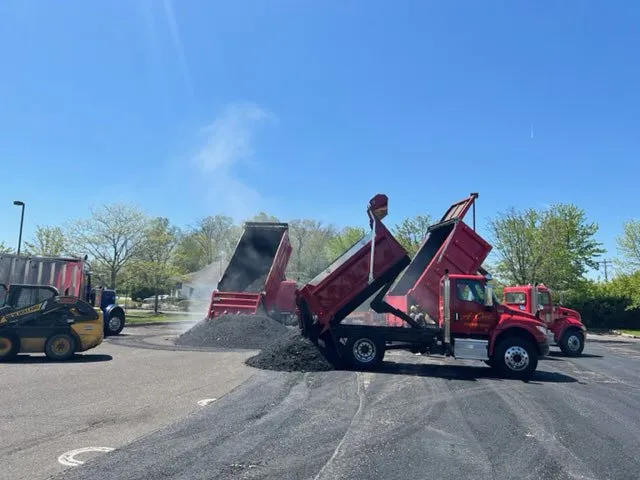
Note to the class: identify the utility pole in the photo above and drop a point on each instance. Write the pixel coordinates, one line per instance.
(20, 204)
(606, 271)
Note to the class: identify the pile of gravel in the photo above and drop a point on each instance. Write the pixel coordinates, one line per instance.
(233, 331)
(291, 353)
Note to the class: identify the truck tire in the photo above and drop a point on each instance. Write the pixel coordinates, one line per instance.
(364, 352)
(515, 357)
(572, 343)
(9, 347)
(115, 325)
(59, 347)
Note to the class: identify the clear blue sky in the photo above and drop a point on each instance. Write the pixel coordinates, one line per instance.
(307, 109)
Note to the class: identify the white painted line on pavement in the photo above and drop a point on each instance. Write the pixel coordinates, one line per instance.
(69, 460)
(206, 401)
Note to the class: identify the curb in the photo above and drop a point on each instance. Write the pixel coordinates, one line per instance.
(626, 335)
(170, 322)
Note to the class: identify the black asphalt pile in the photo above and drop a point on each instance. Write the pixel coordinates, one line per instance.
(291, 353)
(233, 331)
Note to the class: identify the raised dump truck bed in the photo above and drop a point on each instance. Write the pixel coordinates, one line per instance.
(450, 245)
(352, 278)
(256, 272)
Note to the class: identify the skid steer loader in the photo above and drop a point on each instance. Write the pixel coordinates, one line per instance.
(36, 319)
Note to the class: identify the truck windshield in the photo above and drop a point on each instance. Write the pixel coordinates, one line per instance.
(470, 291)
(517, 298)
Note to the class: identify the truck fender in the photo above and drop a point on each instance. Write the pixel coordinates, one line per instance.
(509, 331)
(562, 324)
(113, 309)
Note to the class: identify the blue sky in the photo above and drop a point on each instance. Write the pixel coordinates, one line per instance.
(308, 108)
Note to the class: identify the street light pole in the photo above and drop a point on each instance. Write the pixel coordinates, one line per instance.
(20, 204)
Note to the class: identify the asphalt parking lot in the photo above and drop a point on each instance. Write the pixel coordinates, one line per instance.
(107, 397)
(417, 417)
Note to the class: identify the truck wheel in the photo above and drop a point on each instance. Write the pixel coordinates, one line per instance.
(9, 347)
(515, 357)
(115, 325)
(572, 343)
(61, 346)
(364, 352)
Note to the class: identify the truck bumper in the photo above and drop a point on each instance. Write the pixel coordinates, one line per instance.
(543, 347)
(551, 338)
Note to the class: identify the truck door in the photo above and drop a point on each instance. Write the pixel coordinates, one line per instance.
(469, 314)
(546, 315)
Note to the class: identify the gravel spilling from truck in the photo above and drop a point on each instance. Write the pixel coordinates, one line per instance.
(233, 331)
(291, 353)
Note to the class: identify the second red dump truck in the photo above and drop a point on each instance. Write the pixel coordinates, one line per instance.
(254, 280)
(469, 323)
(565, 325)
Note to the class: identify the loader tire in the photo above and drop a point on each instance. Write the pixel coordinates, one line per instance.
(60, 347)
(364, 352)
(572, 343)
(9, 347)
(515, 357)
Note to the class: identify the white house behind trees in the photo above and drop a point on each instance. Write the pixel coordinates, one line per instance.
(199, 285)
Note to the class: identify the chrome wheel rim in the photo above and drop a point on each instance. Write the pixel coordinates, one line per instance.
(516, 358)
(114, 323)
(364, 350)
(573, 342)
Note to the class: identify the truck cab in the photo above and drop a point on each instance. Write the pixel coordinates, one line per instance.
(565, 325)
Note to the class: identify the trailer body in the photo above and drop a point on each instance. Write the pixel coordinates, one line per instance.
(254, 279)
(470, 323)
(565, 325)
(70, 276)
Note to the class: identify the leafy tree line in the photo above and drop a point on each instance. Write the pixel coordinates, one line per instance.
(130, 250)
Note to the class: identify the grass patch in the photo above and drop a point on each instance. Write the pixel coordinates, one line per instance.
(143, 317)
(631, 332)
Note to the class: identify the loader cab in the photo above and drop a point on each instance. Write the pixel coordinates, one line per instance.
(19, 296)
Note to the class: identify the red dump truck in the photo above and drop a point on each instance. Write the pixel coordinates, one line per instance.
(254, 280)
(565, 325)
(470, 323)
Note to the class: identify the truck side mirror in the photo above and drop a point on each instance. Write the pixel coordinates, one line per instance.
(488, 295)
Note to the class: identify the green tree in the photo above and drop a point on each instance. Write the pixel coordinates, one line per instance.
(556, 246)
(4, 248)
(411, 231)
(112, 236)
(309, 239)
(216, 236)
(629, 247)
(47, 241)
(344, 240)
(264, 217)
(152, 265)
(189, 255)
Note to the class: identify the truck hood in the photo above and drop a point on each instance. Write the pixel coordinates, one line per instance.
(569, 313)
(505, 310)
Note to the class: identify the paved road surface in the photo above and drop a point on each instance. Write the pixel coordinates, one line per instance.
(419, 418)
(108, 397)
